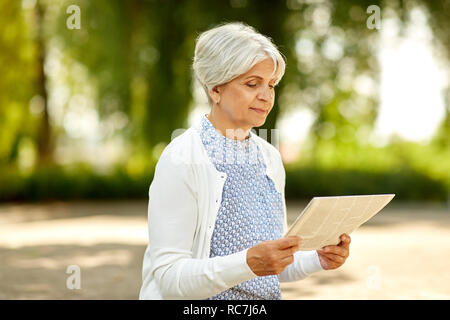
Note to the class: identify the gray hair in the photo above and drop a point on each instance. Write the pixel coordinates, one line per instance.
(230, 50)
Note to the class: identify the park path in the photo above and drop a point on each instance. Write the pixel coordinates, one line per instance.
(402, 253)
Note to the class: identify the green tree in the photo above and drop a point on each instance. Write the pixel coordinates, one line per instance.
(17, 60)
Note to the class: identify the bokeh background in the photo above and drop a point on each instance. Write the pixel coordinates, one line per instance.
(86, 111)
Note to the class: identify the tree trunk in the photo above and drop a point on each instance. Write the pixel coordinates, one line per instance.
(45, 150)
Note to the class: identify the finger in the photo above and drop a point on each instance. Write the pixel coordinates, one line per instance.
(287, 242)
(341, 251)
(334, 257)
(287, 260)
(288, 251)
(330, 264)
(345, 240)
(291, 250)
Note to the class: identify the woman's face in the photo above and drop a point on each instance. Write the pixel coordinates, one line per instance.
(246, 101)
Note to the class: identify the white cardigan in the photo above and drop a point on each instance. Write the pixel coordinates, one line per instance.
(184, 199)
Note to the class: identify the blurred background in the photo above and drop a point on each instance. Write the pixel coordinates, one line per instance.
(91, 92)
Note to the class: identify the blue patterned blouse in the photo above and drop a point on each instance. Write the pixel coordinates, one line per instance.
(251, 209)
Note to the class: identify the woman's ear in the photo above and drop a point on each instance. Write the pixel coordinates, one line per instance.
(214, 93)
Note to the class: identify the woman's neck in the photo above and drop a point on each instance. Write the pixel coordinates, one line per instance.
(226, 128)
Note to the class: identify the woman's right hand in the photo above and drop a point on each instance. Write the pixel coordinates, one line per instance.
(273, 256)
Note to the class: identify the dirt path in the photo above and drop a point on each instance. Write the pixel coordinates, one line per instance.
(402, 253)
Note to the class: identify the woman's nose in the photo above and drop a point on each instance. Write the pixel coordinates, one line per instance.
(265, 94)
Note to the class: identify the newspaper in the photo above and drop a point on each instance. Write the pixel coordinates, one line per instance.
(326, 218)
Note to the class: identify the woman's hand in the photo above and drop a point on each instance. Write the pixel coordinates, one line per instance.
(332, 257)
(273, 256)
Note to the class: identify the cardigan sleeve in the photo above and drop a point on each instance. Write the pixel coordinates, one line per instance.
(305, 263)
(172, 218)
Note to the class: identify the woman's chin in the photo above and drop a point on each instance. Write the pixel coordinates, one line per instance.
(257, 125)
(259, 122)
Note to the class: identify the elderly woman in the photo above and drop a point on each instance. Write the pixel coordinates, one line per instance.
(217, 212)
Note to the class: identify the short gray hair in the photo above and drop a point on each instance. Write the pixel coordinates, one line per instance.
(230, 50)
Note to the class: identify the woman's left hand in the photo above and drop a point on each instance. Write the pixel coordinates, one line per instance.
(332, 257)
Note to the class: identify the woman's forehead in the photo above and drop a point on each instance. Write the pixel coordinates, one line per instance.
(262, 70)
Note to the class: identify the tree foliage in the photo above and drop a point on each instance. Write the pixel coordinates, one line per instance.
(129, 67)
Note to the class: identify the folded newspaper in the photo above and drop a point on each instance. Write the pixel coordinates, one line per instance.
(325, 218)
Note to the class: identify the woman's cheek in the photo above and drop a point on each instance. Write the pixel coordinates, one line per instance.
(248, 98)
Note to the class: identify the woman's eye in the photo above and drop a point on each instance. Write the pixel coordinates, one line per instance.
(252, 85)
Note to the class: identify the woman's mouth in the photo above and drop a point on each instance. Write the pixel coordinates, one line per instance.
(260, 111)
